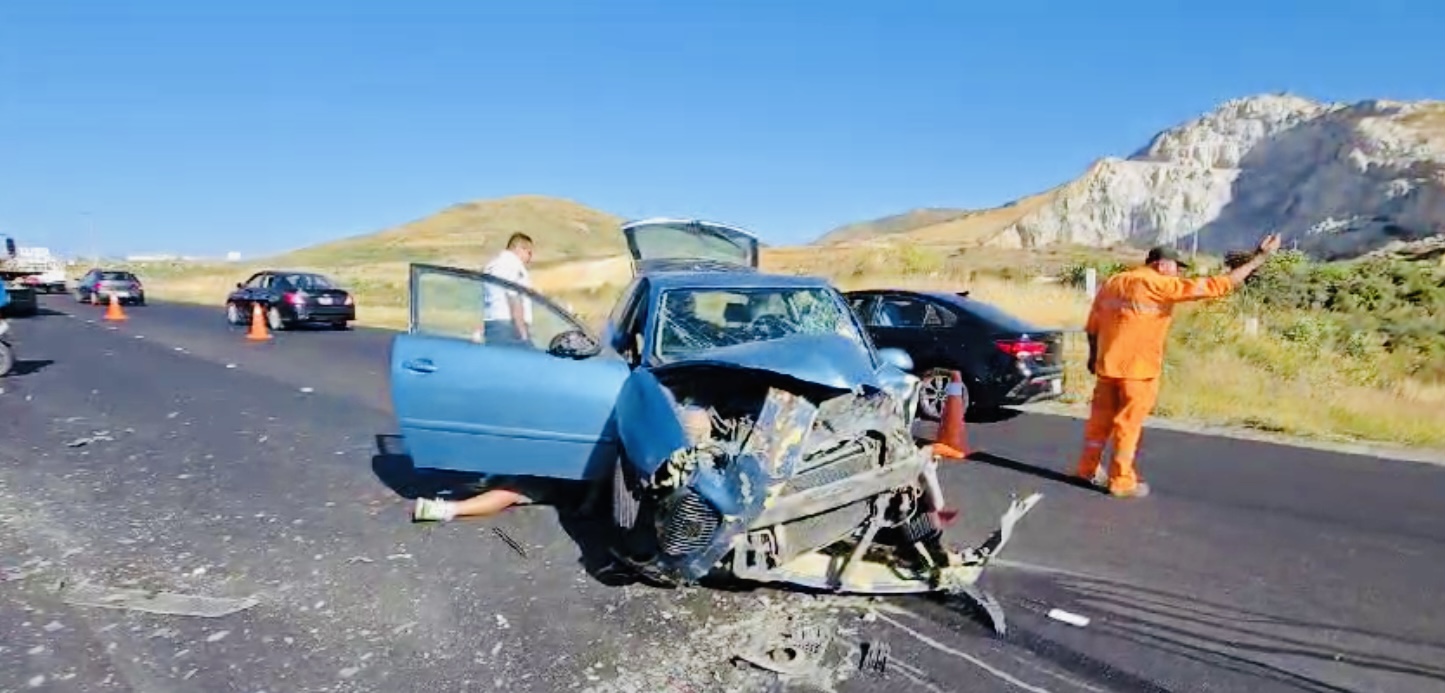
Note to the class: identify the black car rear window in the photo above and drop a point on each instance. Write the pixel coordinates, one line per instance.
(991, 315)
(117, 276)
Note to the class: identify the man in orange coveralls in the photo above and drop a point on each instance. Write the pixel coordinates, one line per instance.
(1128, 325)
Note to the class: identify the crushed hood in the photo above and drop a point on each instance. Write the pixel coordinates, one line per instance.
(829, 360)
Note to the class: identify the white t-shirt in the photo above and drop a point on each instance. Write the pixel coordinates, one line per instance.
(507, 266)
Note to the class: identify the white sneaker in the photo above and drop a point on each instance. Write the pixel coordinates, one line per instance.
(433, 510)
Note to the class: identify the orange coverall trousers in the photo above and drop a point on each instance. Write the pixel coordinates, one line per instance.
(1117, 415)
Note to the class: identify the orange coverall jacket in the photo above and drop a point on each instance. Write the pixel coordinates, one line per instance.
(1131, 315)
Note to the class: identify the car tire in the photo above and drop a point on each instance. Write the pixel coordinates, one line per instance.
(274, 319)
(625, 507)
(233, 314)
(7, 359)
(340, 325)
(935, 380)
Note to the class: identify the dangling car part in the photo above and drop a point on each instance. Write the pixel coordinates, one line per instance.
(746, 425)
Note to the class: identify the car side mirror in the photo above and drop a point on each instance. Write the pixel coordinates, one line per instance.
(238, 285)
(573, 344)
(897, 358)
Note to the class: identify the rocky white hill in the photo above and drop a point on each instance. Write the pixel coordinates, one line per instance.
(1337, 179)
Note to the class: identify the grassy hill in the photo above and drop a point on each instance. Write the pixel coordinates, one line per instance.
(890, 225)
(471, 232)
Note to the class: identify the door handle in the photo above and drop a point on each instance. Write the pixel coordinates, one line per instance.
(420, 366)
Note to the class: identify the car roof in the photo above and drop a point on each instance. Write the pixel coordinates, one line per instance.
(304, 273)
(743, 279)
(979, 309)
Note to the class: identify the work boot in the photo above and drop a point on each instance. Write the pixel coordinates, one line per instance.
(1140, 490)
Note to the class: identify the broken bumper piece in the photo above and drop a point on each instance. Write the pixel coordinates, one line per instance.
(862, 573)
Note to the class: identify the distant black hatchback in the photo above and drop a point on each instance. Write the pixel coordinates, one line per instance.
(290, 298)
(1004, 361)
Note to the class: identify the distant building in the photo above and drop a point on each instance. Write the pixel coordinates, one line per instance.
(233, 256)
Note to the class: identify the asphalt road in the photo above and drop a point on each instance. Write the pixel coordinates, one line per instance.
(168, 454)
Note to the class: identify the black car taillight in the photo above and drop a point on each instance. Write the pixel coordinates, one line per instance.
(1022, 348)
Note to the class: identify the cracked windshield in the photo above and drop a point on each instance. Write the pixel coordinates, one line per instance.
(700, 319)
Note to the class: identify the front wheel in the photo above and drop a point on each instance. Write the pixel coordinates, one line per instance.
(233, 313)
(7, 359)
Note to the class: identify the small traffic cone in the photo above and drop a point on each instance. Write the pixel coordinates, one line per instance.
(952, 440)
(258, 332)
(114, 312)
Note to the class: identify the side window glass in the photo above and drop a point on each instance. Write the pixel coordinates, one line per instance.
(477, 308)
(938, 317)
(900, 312)
(862, 307)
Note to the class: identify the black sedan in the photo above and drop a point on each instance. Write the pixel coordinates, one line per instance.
(1003, 360)
(291, 298)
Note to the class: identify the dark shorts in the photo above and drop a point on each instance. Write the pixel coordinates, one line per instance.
(502, 333)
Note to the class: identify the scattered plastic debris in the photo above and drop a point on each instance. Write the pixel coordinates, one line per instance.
(1069, 618)
(169, 603)
(307, 389)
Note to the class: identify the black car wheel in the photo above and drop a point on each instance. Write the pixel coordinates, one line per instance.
(933, 392)
(274, 319)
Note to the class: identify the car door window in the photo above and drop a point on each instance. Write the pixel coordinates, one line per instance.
(899, 312)
(452, 303)
(936, 317)
(863, 307)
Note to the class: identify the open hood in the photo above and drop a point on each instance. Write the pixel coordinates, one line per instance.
(660, 241)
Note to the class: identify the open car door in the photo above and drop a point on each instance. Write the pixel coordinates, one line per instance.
(542, 407)
(679, 241)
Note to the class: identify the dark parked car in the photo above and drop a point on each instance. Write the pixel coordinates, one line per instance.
(98, 285)
(1004, 360)
(291, 298)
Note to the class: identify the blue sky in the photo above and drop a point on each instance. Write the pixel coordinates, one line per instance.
(259, 126)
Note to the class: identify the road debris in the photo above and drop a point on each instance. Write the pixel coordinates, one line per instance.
(83, 441)
(509, 541)
(1069, 618)
(153, 601)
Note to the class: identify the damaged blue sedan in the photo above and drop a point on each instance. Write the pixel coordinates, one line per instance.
(742, 423)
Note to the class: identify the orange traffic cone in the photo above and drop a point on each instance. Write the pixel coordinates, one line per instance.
(258, 331)
(952, 440)
(114, 312)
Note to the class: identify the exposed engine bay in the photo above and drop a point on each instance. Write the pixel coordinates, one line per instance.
(789, 481)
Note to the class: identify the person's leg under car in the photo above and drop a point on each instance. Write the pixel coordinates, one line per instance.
(1103, 409)
(1136, 401)
(498, 496)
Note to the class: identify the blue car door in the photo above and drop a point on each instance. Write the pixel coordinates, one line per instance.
(541, 407)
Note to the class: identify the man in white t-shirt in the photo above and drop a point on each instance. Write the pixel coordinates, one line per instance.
(507, 315)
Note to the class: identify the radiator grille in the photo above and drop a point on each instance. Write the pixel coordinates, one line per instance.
(689, 527)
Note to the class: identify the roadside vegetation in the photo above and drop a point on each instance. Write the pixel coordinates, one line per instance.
(1342, 351)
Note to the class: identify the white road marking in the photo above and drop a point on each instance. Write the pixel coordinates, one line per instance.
(994, 671)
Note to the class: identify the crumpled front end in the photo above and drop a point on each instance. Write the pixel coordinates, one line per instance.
(770, 478)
